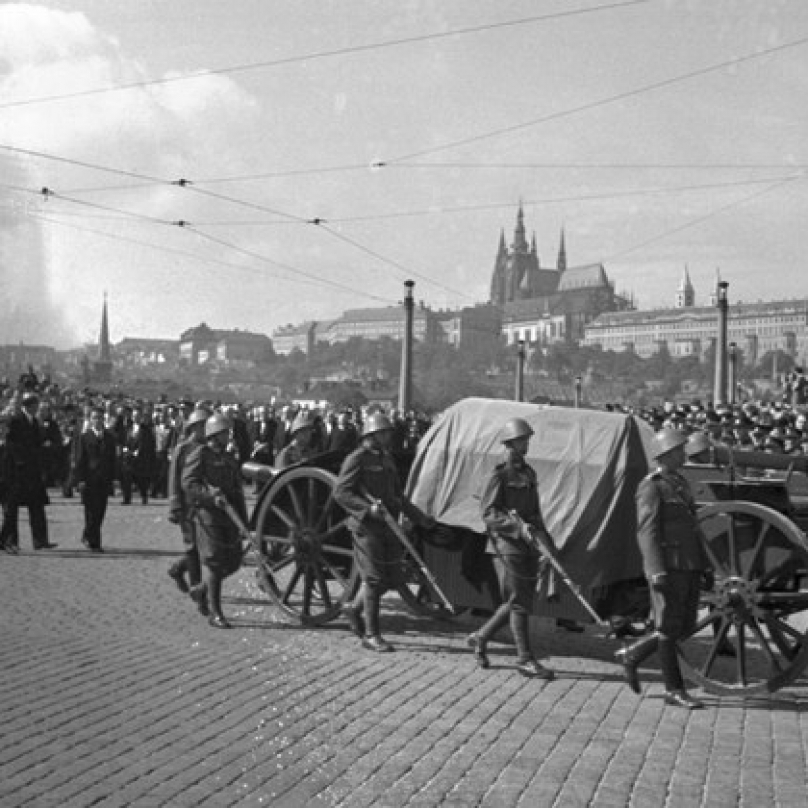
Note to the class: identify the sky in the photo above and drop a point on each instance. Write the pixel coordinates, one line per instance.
(256, 163)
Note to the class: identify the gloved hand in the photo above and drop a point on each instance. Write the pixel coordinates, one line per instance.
(660, 582)
(376, 510)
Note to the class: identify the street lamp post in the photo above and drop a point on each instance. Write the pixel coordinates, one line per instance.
(519, 394)
(405, 380)
(732, 374)
(720, 387)
(578, 389)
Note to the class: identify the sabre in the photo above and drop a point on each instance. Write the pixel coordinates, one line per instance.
(410, 548)
(548, 551)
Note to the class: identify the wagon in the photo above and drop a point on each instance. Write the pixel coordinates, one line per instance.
(751, 634)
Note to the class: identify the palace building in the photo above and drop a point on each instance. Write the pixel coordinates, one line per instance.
(686, 329)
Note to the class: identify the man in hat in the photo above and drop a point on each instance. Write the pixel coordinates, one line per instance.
(24, 479)
(299, 447)
(93, 475)
(675, 563)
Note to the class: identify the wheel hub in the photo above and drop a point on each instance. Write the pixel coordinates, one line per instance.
(737, 597)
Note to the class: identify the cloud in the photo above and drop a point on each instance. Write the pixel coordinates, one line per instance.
(164, 131)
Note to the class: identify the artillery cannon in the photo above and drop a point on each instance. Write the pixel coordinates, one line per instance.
(589, 466)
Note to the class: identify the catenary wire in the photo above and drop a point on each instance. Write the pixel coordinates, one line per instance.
(322, 54)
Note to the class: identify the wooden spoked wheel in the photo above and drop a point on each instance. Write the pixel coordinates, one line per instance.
(752, 633)
(305, 563)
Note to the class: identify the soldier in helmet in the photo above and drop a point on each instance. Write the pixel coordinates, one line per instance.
(179, 512)
(511, 511)
(369, 484)
(299, 447)
(211, 479)
(675, 563)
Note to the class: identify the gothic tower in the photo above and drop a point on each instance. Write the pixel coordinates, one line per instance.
(562, 254)
(102, 368)
(685, 294)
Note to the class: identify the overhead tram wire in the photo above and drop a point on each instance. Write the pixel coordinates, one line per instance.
(190, 185)
(344, 51)
(693, 223)
(602, 102)
(450, 209)
(310, 280)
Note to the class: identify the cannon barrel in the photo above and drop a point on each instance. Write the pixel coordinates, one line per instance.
(258, 472)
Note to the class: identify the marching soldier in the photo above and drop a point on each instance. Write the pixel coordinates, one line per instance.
(511, 512)
(179, 512)
(299, 447)
(675, 563)
(368, 485)
(211, 480)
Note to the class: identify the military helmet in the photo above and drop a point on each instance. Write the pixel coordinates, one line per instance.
(377, 422)
(515, 428)
(697, 443)
(197, 416)
(666, 440)
(217, 423)
(303, 421)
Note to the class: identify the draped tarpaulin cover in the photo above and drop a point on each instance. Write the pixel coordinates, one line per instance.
(589, 464)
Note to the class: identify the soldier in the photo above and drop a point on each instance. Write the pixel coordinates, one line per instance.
(675, 564)
(511, 512)
(211, 480)
(368, 485)
(179, 512)
(299, 447)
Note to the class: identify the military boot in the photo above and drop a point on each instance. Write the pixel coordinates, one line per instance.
(631, 656)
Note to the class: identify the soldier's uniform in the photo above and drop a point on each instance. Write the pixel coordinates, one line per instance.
(217, 538)
(179, 509)
(670, 542)
(369, 473)
(674, 562)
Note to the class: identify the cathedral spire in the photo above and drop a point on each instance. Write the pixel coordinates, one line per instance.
(519, 240)
(562, 254)
(685, 294)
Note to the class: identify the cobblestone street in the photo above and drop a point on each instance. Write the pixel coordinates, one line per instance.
(115, 692)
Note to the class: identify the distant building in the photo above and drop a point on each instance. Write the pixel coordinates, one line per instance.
(141, 351)
(202, 344)
(544, 305)
(374, 324)
(471, 326)
(294, 337)
(690, 330)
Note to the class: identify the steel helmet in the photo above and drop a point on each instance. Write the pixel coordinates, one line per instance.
(377, 422)
(697, 443)
(304, 420)
(217, 423)
(516, 428)
(666, 440)
(198, 415)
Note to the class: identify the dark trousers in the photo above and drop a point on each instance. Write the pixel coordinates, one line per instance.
(36, 516)
(95, 500)
(517, 575)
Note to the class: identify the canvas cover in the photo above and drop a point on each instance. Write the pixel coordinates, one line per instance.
(589, 464)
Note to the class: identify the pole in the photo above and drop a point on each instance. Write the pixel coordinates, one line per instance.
(405, 380)
(720, 387)
(520, 372)
(578, 387)
(732, 374)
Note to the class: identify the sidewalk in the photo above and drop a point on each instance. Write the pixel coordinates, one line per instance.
(114, 692)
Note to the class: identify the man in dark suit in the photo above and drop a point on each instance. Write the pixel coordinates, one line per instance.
(93, 476)
(24, 477)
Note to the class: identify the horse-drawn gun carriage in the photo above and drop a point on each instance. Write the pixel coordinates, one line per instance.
(751, 635)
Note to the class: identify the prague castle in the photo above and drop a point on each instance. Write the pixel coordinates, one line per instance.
(542, 305)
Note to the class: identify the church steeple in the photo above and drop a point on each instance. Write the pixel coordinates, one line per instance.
(104, 353)
(562, 254)
(519, 240)
(102, 368)
(685, 294)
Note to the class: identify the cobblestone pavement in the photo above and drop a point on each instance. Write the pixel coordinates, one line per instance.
(114, 692)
